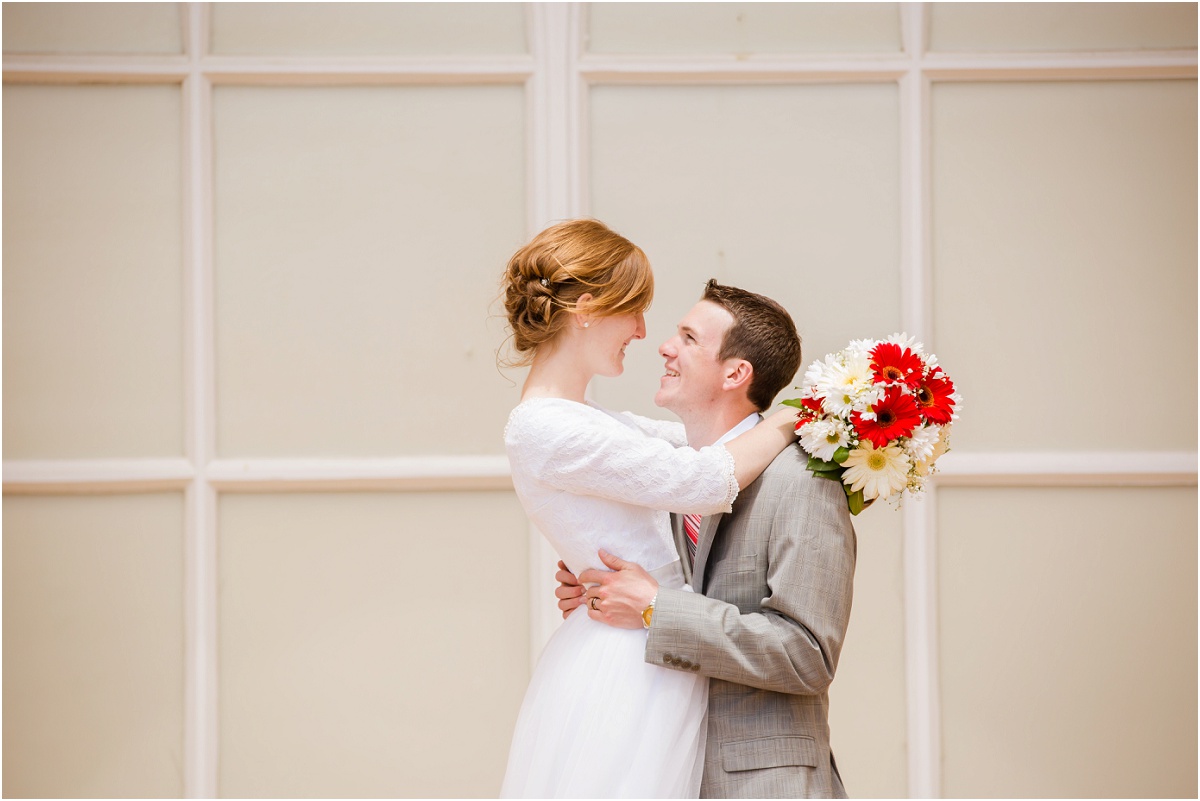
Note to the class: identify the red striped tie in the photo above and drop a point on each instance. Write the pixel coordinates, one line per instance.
(691, 527)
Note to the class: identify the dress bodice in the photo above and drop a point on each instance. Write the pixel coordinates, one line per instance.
(591, 479)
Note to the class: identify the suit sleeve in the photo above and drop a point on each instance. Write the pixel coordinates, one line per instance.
(792, 645)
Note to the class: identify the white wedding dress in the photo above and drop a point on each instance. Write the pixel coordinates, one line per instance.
(597, 720)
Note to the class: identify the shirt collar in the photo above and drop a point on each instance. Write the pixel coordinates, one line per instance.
(750, 422)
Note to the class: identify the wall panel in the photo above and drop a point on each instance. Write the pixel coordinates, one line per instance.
(1068, 642)
(340, 29)
(743, 28)
(867, 714)
(1064, 260)
(360, 237)
(369, 642)
(791, 191)
(99, 28)
(93, 646)
(982, 27)
(93, 272)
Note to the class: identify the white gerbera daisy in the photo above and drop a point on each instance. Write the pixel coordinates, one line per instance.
(905, 341)
(861, 347)
(843, 384)
(822, 438)
(924, 467)
(920, 442)
(818, 372)
(878, 472)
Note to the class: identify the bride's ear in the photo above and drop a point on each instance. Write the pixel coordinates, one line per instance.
(583, 308)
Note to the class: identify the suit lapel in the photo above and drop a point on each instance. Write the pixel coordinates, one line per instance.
(708, 530)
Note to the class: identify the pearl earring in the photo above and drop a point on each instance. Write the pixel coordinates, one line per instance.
(585, 325)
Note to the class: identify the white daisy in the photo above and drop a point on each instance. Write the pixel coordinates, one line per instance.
(822, 438)
(924, 467)
(878, 472)
(905, 341)
(817, 372)
(861, 347)
(844, 384)
(920, 442)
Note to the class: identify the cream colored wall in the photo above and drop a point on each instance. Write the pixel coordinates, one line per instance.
(369, 633)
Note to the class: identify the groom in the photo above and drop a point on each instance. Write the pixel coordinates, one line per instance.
(773, 578)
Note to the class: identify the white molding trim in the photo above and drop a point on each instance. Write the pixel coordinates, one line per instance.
(268, 70)
(1083, 66)
(725, 69)
(603, 68)
(556, 144)
(74, 476)
(921, 654)
(95, 69)
(368, 70)
(201, 580)
(920, 580)
(553, 104)
(1068, 468)
(64, 476)
(413, 473)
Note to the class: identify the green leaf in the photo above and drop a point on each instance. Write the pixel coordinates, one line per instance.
(796, 402)
(856, 502)
(821, 466)
(841, 455)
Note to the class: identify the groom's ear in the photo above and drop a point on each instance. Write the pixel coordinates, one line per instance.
(738, 373)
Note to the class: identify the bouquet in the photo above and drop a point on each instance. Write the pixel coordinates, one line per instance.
(876, 416)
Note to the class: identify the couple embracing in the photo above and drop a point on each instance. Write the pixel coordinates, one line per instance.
(706, 575)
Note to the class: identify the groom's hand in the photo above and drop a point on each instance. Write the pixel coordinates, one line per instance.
(569, 591)
(620, 595)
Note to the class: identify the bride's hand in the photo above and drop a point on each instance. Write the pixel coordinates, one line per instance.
(785, 420)
(569, 591)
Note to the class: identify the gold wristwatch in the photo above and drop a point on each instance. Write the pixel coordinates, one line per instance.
(648, 612)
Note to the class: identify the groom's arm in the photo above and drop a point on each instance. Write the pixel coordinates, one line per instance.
(793, 644)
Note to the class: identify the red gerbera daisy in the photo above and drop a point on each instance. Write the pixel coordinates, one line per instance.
(933, 398)
(890, 362)
(813, 405)
(811, 411)
(895, 416)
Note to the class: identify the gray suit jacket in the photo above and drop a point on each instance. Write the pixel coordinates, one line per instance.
(774, 581)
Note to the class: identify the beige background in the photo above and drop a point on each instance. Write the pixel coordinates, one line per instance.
(375, 639)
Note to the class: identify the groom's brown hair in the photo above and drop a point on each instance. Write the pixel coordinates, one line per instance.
(763, 334)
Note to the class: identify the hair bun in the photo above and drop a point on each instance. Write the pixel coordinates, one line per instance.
(545, 279)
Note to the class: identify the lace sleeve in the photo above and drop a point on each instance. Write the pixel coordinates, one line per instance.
(584, 451)
(672, 432)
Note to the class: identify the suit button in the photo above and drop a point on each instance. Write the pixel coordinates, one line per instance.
(684, 664)
(694, 667)
(670, 660)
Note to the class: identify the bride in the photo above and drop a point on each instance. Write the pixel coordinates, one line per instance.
(597, 720)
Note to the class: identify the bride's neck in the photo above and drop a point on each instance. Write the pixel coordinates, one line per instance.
(556, 373)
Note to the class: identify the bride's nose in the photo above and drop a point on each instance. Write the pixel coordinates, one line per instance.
(640, 331)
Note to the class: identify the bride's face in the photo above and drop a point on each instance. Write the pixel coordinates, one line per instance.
(606, 339)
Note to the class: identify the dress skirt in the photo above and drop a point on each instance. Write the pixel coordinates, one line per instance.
(598, 722)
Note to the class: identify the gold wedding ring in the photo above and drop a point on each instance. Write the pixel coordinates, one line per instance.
(592, 604)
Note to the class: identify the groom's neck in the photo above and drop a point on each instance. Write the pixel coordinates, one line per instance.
(709, 426)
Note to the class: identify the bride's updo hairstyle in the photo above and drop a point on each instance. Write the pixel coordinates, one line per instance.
(545, 279)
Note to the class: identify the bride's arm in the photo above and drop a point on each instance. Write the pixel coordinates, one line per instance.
(672, 432)
(585, 452)
(758, 447)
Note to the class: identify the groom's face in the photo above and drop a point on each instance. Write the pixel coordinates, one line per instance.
(694, 374)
